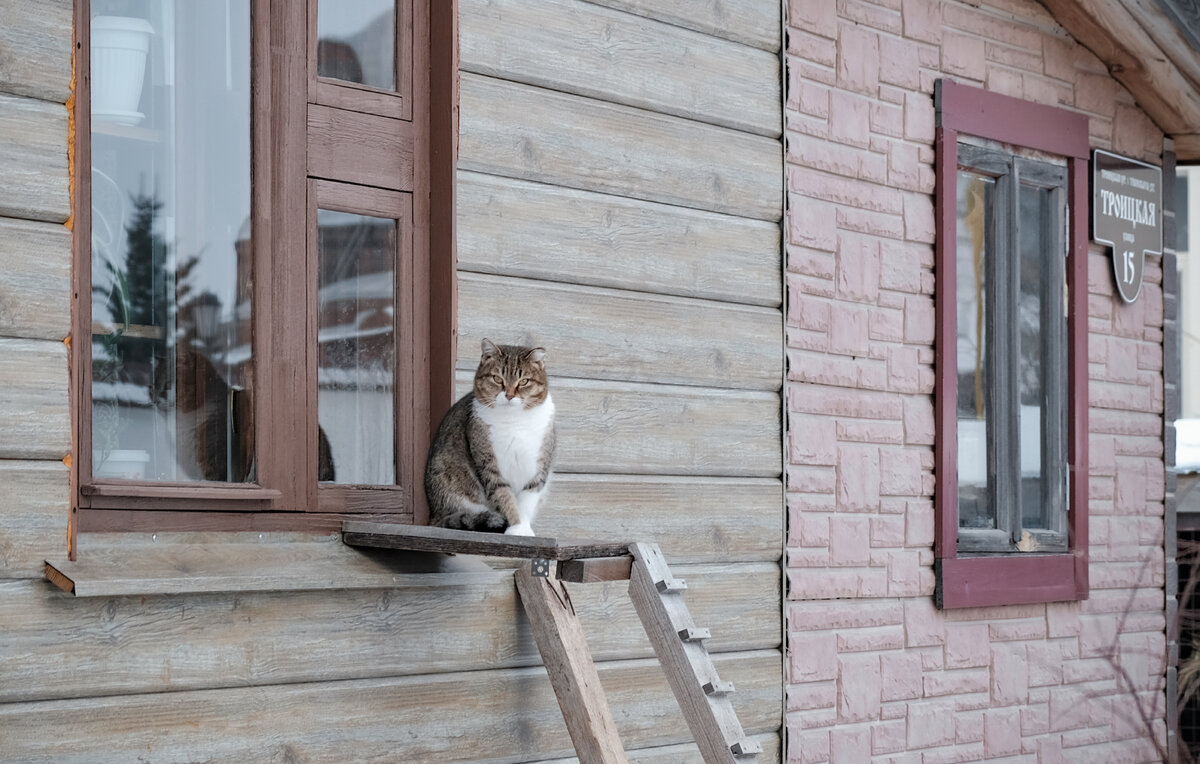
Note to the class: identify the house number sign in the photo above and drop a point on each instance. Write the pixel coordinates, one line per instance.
(1127, 215)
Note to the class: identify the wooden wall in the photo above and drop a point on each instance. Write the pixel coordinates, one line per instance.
(620, 191)
(619, 198)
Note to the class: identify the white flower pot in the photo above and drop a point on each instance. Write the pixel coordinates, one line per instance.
(119, 48)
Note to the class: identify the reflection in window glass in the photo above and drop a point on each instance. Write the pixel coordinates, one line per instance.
(356, 320)
(975, 208)
(170, 240)
(1034, 318)
(356, 42)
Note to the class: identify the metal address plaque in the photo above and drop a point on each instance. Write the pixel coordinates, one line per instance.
(1127, 215)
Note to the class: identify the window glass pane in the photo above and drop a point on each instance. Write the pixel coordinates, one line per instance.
(356, 41)
(170, 241)
(356, 319)
(1036, 318)
(976, 195)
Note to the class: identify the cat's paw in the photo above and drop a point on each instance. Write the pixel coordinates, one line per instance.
(490, 521)
(520, 529)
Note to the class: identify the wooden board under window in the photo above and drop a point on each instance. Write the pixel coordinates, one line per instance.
(512, 713)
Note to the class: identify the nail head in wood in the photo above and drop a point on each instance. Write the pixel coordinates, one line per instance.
(539, 567)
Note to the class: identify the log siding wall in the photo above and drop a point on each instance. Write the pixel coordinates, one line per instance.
(876, 672)
(620, 191)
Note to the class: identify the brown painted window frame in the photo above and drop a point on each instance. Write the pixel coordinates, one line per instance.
(1002, 578)
(302, 129)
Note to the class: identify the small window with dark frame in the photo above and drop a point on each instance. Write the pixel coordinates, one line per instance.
(1011, 337)
(1011, 352)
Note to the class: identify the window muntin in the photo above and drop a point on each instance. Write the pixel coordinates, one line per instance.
(1010, 345)
(171, 308)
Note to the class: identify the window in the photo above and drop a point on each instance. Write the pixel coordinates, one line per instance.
(263, 258)
(1011, 338)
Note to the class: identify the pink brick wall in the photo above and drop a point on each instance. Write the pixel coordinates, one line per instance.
(875, 672)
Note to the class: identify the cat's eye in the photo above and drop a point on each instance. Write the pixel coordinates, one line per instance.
(499, 380)
(523, 383)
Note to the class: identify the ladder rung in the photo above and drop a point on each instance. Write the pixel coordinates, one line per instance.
(745, 748)
(669, 585)
(692, 634)
(717, 687)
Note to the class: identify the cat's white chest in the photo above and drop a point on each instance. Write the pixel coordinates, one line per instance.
(516, 436)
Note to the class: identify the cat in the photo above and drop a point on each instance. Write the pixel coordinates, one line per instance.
(489, 462)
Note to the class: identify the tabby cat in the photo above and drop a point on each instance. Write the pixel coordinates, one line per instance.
(489, 462)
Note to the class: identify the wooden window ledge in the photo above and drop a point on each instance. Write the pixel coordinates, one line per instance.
(114, 565)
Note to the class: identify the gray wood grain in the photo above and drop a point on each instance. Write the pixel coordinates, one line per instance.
(35, 48)
(513, 714)
(33, 153)
(640, 429)
(35, 412)
(615, 56)
(562, 643)
(690, 518)
(752, 22)
(406, 627)
(35, 280)
(595, 333)
(34, 507)
(518, 228)
(526, 132)
(685, 753)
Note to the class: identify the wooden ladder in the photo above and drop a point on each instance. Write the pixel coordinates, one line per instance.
(658, 598)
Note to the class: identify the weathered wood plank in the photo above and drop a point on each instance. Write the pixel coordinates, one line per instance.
(33, 153)
(1152, 76)
(615, 56)
(229, 567)
(752, 22)
(267, 638)
(35, 280)
(685, 753)
(430, 539)
(34, 505)
(686, 662)
(513, 715)
(517, 228)
(563, 646)
(35, 48)
(526, 132)
(35, 414)
(596, 569)
(637, 429)
(691, 519)
(618, 335)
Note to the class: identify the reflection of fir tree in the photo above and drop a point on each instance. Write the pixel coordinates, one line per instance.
(145, 265)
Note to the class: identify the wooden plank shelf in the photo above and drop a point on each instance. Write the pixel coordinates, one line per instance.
(420, 538)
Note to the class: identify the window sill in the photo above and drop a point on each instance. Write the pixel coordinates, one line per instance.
(1010, 580)
(114, 565)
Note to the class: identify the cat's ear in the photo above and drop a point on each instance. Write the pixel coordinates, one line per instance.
(536, 355)
(489, 348)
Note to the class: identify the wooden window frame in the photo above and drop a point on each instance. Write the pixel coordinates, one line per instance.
(966, 579)
(1011, 173)
(306, 132)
